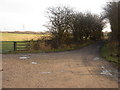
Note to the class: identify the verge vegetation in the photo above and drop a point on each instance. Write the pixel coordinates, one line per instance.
(111, 49)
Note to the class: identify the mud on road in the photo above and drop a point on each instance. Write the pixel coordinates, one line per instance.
(82, 68)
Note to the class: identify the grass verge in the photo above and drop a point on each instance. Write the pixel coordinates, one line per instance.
(109, 51)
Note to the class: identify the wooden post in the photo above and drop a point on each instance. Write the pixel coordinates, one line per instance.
(14, 46)
(28, 45)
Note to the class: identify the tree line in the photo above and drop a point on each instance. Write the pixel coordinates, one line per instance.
(68, 26)
(112, 12)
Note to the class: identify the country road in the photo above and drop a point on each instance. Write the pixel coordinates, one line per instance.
(82, 68)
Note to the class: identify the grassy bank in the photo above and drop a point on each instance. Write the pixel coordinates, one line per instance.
(69, 48)
(73, 47)
(109, 51)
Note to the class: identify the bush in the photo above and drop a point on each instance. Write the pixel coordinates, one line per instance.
(40, 44)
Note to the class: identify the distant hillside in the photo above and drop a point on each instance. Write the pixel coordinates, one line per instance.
(26, 32)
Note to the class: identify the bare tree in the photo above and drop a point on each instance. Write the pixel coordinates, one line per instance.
(60, 21)
(87, 26)
(67, 25)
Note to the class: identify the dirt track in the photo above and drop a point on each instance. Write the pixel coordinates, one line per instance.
(81, 68)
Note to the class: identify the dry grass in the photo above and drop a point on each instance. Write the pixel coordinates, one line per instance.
(20, 37)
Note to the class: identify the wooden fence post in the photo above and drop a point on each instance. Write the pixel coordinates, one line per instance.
(14, 43)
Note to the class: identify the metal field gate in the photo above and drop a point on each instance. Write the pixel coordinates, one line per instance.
(21, 45)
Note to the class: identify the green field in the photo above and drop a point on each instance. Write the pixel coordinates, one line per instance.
(7, 39)
(7, 46)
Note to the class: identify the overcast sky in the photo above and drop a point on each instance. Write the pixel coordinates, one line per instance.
(31, 13)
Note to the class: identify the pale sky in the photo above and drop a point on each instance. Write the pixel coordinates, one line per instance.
(31, 13)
